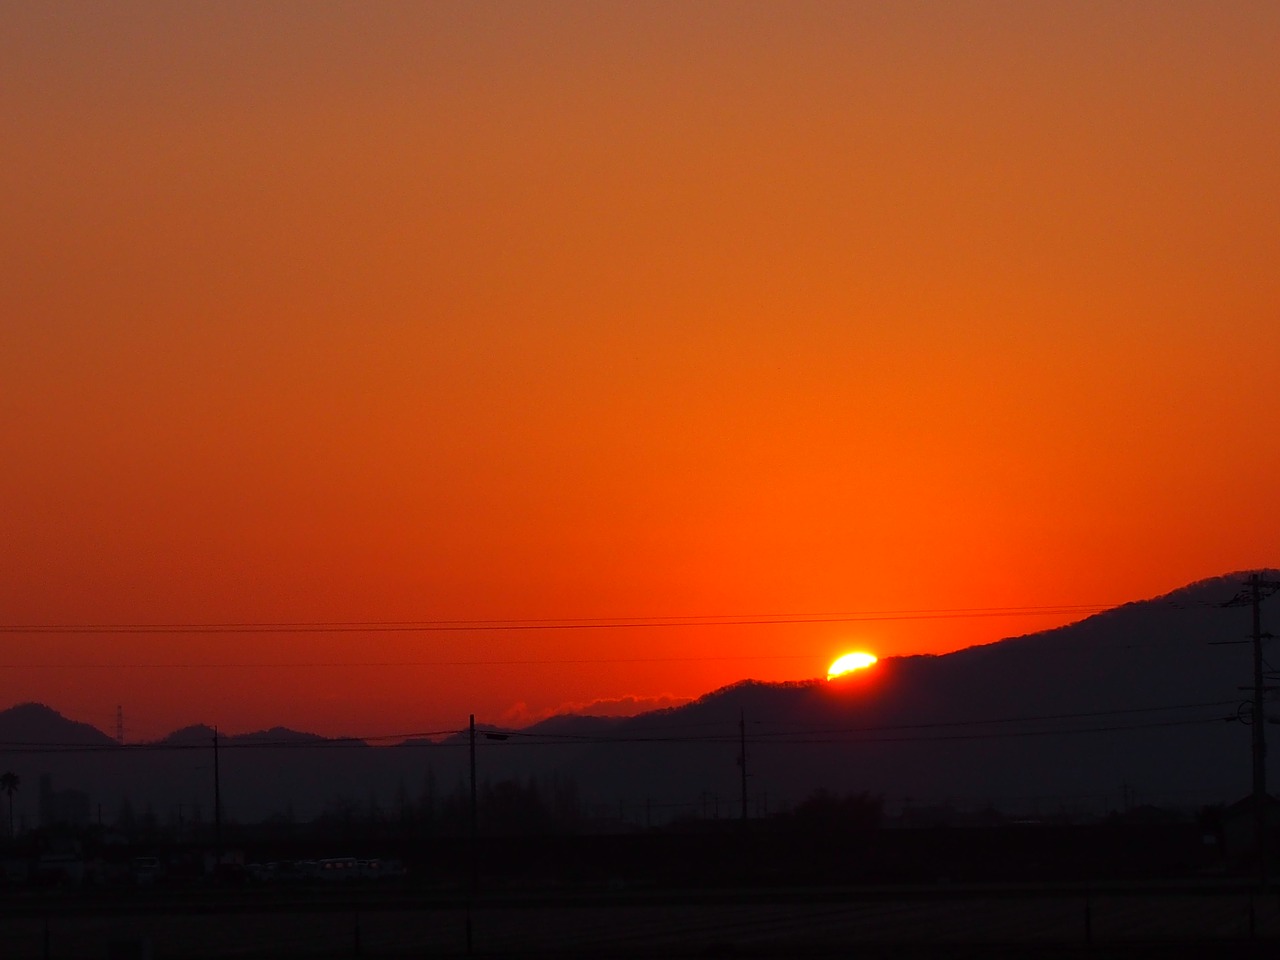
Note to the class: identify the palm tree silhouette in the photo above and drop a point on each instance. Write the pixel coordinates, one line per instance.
(9, 784)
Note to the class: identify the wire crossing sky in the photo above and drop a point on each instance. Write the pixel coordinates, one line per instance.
(498, 626)
(514, 314)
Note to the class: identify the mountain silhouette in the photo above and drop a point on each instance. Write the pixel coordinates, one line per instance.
(1133, 702)
(30, 724)
(1133, 705)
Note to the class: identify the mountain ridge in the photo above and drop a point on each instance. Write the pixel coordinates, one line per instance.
(1223, 588)
(1130, 701)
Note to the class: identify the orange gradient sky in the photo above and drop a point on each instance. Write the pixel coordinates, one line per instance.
(421, 311)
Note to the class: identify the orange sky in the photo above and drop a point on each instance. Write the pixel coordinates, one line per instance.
(497, 310)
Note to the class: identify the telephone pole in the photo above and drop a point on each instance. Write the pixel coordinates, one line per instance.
(475, 818)
(475, 835)
(1258, 588)
(1259, 731)
(742, 757)
(217, 806)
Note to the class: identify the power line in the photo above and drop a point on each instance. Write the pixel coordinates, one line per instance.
(225, 743)
(811, 733)
(503, 741)
(297, 664)
(1007, 734)
(1041, 718)
(527, 738)
(583, 623)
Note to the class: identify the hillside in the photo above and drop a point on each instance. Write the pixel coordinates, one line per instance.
(1128, 706)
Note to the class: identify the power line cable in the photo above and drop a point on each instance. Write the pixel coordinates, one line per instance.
(536, 624)
(1006, 734)
(1041, 718)
(296, 664)
(519, 737)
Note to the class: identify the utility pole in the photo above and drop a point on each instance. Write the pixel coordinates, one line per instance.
(475, 835)
(475, 819)
(1258, 588)
(742, 757)
(217, 806)
(1259, 731)
(1260, 798)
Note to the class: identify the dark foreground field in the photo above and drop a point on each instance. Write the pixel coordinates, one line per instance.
(1012, 922)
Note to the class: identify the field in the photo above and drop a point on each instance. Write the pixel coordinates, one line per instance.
(862, 922)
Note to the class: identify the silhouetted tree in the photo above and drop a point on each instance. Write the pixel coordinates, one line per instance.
(9, 784)
(404, 806)
(510, 807)
(826, 813)
(283, 823)
(428, 803)
(455, 811)
(341, 815)
(149, 823)
(566, 804)
(126, 820)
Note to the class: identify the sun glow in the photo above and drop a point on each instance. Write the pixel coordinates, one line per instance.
(849, 663)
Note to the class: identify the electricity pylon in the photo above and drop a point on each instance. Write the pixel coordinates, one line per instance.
(1257, 588)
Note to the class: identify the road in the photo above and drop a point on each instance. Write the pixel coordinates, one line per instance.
(921, 922)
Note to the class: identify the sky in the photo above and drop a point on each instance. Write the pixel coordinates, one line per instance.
(853, 314)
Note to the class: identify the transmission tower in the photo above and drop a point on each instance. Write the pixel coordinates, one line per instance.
(1256, 589)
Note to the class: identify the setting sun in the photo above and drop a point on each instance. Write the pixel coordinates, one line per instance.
(849, 663)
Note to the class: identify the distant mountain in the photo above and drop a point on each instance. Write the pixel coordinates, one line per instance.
(575, 724)
(201, 735)
(194, 735)
(36, 724)
(277, 736)
(1133, 705)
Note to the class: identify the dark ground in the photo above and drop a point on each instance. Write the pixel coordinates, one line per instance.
(1105, 891)
(917, 922)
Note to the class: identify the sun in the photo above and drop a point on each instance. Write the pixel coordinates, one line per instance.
(849, 663)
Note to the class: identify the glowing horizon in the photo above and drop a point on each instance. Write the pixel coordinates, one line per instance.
(432, 312)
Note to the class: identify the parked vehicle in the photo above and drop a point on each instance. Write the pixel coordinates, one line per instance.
(337, 869)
